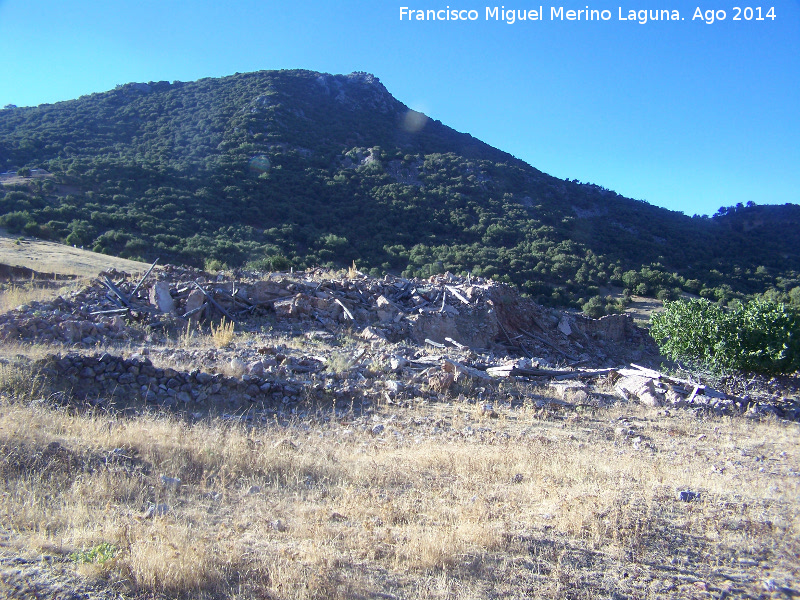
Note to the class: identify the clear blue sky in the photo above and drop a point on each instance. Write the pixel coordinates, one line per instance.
(683, 114)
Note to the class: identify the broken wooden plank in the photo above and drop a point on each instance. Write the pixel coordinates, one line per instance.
(194, 311)
(457, 294)
(582, 374)
(456, 344)
(508, 337)
(113, 311)
(452, 366)
(501, 371)
(645, 372)
(138, 285)
(111, 298)
(115, 290)
(434, 344)
(344, 308)
(214, 303)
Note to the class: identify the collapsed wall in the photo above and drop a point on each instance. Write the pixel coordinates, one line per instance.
(445, 309)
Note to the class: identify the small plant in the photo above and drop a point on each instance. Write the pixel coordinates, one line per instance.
(222, 334)
(352, 271)
(99, 554)
(213, 265)
(340, 362)
(186, 336)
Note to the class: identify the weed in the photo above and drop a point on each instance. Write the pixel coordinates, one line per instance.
(340, 362)
(546, 506)
(222, 334)
(101, 553)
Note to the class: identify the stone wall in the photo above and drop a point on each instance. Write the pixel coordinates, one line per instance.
(109, 380)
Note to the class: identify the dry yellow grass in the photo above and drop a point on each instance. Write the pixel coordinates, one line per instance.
(222, 334)
(13, 295)
(51, 257)
(438, 505)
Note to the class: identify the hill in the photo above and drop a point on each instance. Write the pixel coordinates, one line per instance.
(295, 168)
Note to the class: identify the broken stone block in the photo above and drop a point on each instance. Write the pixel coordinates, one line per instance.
(372, 334)
(563, 326)
(641, 389)
(195, 300)
(161, 298)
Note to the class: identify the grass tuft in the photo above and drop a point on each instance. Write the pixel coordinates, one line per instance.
(222, 334)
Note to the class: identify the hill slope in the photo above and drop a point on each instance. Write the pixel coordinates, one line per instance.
(280, 168)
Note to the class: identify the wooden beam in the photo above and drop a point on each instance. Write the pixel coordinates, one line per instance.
(136, 289)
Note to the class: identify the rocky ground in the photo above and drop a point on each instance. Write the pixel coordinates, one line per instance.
(372, 358)
(315, 337)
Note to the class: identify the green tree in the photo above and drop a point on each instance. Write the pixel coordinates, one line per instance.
(761, 336)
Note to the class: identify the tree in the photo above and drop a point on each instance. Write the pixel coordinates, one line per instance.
(760, 336)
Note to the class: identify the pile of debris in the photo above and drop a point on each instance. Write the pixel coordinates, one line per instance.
(377, 339)
(445, 310)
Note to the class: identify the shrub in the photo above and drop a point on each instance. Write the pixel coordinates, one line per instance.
(759, 336)
(594, 308)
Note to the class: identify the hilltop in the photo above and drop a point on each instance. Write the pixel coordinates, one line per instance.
(279, 169)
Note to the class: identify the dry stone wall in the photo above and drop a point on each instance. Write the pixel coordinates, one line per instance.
(115, 381)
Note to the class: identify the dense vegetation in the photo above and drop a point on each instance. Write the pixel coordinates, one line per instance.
(295, 168)
(760, 336)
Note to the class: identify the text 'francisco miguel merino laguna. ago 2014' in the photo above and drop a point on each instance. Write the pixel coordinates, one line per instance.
(559, 13)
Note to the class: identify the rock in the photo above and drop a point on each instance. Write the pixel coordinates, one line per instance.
(238, 366)
(161, 298)
(397, 363)
(487, 410)
(373, 334)
(393, 387)
(566, 390)
(195, 300)
(639, 388)
(688, 496)
(578, 397)
(155, 510)
(387, 311)
(563, 326)
(255, 368)
(278, 525)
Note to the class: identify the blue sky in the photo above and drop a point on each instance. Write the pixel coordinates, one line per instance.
(682, 114)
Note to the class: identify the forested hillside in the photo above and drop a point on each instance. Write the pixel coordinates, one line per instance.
(296, 168)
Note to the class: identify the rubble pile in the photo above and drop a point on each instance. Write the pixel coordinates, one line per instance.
(364, 341)
(653, 388)
(447, 310)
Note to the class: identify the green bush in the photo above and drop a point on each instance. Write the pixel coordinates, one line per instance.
(760, 336)
(594, 308)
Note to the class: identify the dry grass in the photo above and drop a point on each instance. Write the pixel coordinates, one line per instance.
(222, 334)
(14, 295)
(51, 257)
(439, 505)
